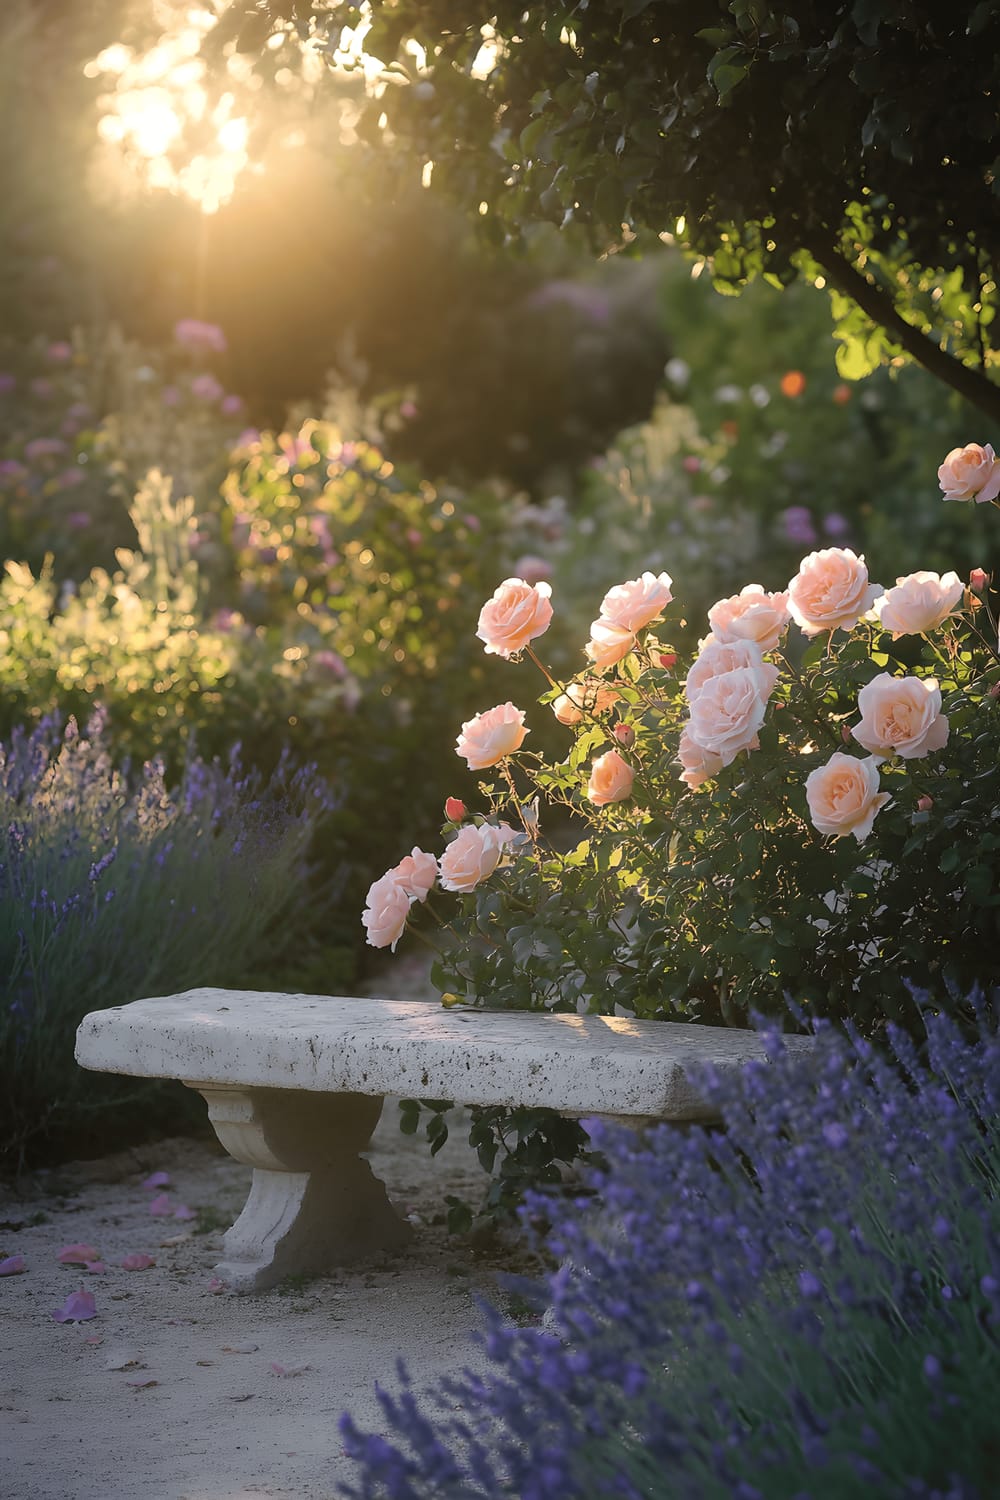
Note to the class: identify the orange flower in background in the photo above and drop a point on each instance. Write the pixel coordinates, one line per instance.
(842, 394)
(793, 383)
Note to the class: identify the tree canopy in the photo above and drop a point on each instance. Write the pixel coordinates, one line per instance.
(849, 140)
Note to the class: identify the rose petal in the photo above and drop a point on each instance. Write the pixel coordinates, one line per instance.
(95, 1267)
(78, 1308)
(77, 1255)
(157, 1180)
(287, 1371)
(12, 1266)
(137, 1261)
(161, 1207)
(215, 1286)
(183, 1212)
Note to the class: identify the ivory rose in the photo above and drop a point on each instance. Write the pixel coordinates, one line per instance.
(843, 796)
(632, 605)
(487, 738)
(718, 657)
(970, 473)
(729, 709)
(416, 873)
(699, 764)
(611, 779)
(608, 643)
(751, 615)
(384, 916)
(920, 602)
(473, 854)
(517, 614)
(588, 695)
(830, 591)
(901, 716)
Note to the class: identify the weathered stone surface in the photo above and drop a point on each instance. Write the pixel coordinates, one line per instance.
(580, 1065)
(294, 1085)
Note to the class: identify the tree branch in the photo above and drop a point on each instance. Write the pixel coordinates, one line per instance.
(970, 383)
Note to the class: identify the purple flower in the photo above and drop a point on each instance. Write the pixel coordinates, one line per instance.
(192, 333)
(206, 388)
(835, 525)
(41, 388)
(8, 383)
(44, 447)
(232, 405)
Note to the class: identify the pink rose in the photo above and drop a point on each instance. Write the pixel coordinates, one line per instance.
(473, 854)
(970, 473)
(517, 613)
(920, 602)
(416, 873)
(610, 779)
(632, 605)
(487, 738)
(608, 643)
(901, 716)
(750, 615)
(843, 796)
(699, 764)
(729, 709)
(718, 657)
(587, 695)
(830, 591)
(385, 913)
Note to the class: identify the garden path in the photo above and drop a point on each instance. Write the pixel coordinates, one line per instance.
(202, 1414)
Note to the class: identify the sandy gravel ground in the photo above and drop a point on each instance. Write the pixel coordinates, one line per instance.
(170, 1393)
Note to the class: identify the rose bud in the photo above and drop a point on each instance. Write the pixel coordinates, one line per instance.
(978, 580)
(625, 735)
(454, 809)
(925, 803)
(668, 659)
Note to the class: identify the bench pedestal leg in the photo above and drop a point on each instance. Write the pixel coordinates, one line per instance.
(313, 1202)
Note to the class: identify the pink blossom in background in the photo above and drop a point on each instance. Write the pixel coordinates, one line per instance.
(206, 388)
(835, 525)
(331, 662)
(68, 479)
(170, 395)
(408, 410)
(60, 353)
(79, 1307)
(799, 528)
(78, 520)
(486, 739)
(8, 383)
(11, 469)
(232, 405)
(41, 388)
(532, 569)
(192, 333)
(44, 447)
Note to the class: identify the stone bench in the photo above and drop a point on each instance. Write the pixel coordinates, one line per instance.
(295, 1084)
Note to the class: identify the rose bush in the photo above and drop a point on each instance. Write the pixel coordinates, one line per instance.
(716, 838)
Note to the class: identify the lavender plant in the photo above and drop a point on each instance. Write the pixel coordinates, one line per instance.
(807, 1305)
(113, 886)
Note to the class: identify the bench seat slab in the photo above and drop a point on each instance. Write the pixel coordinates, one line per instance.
(314, 1202)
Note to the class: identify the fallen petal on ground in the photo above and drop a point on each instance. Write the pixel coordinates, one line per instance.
(183, 1212)
(78, 1307)
(161, 1206)
(12, 1266)
(77, 1255)
(137, 1262)
(157, 1180)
